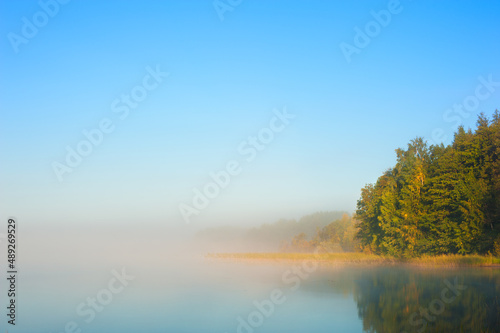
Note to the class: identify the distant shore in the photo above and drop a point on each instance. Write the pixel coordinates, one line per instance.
(452, 260)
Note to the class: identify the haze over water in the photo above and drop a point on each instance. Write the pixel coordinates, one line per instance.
(175, 289)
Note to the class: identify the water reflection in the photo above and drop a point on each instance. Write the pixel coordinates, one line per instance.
(208, 297)
(406, 299)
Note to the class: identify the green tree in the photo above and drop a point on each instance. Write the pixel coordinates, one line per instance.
(436, 199)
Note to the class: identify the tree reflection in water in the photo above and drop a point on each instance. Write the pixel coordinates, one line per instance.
(409, 299)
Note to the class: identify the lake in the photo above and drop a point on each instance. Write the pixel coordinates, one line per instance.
(201, 295)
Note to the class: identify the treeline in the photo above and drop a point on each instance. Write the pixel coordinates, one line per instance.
(266, 237)
(337, 236)
(437, 199)
(286, 228)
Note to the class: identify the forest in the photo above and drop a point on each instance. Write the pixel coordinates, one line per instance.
(266, 237)
(437, 199)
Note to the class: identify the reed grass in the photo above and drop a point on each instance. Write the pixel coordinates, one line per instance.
(362, 258)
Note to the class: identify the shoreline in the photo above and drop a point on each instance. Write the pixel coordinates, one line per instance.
(363, 259)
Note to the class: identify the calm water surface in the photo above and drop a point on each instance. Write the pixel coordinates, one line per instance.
(221, 296)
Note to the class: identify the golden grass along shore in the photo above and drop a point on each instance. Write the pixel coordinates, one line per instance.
(362, 258)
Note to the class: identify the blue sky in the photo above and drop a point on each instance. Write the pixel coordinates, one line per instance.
(225, 79)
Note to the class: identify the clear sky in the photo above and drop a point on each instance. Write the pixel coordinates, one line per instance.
(355, 98)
